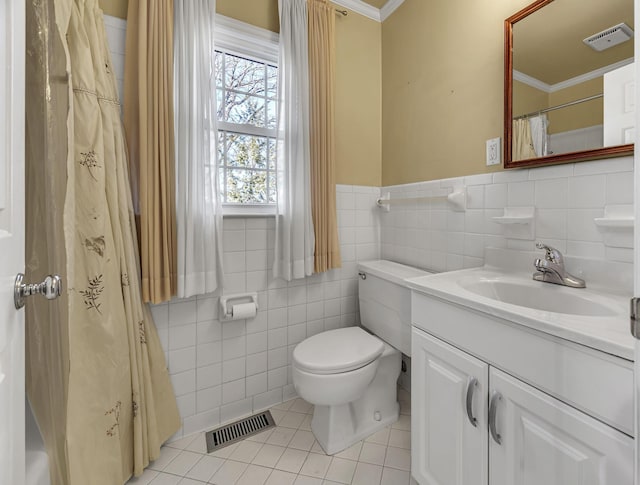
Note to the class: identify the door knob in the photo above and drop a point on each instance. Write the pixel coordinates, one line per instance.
(50, 288)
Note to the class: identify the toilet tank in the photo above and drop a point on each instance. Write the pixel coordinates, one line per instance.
(385, 301)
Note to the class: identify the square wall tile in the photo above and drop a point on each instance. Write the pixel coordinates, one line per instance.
(581, 225)
(521, 194)
(208, 399)
(587, 191)
(233, 391)
(233, 369)
(551, 223)
(619, 188)
(495, 196)
(208, 376)
(551, 194)
(256, 363)
(182, 312)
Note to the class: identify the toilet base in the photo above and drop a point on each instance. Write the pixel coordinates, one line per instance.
(338, 427)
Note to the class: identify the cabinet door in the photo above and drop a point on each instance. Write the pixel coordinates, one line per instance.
(446, 447)
(546, 442)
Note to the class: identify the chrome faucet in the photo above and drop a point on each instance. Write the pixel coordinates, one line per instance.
(551, 269)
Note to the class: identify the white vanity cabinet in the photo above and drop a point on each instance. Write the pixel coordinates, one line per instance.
(449, 414)
(554, 424)
(546, 442)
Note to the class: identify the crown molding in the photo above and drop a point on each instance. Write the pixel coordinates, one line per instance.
(590, 75)
(531, 81)
(388, 8)
(360, 7)
(552, 88)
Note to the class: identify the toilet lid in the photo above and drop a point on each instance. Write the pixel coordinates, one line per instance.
(337, 351)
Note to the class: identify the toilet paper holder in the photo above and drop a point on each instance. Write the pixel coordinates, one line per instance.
(227, 302)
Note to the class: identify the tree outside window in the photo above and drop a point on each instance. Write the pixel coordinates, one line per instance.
(246, 92)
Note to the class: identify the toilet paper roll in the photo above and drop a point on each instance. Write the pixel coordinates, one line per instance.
(243, 310)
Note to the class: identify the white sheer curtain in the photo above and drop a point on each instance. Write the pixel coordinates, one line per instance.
(198, 208)
(539, 136)
(294, 227)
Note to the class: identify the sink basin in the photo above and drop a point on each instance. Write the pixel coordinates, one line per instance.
(538, 296)
(503, 290)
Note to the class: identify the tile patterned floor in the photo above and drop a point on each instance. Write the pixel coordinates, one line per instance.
(289, 455)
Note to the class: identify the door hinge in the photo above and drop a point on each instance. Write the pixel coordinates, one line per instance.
(634, 316)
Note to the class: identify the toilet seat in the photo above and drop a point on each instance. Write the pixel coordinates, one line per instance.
(337, 351)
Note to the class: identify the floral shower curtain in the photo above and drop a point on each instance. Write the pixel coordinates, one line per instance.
(117, 403)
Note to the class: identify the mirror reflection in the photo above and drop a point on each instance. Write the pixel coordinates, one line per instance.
(572, 78)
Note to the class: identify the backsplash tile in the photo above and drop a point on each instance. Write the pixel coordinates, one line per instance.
(566, 198)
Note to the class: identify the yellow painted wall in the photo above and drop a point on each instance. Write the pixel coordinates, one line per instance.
(358, 100)
(590, 113)
(358, 83)
(583, 115)
(115, 8)
(442, 87)
(261, 13)
(527, 99)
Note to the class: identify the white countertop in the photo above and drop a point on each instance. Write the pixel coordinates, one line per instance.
(609, 333)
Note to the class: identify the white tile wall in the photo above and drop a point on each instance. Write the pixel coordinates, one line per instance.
(567, 198)
(221, 370)
(116, 31)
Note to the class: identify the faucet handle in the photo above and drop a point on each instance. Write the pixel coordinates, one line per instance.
(552, 254)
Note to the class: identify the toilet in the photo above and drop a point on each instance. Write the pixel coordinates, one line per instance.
(350, 374)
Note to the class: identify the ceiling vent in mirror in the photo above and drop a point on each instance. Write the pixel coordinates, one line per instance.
(608, 38)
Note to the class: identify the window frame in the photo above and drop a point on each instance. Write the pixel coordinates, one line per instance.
(239, 38)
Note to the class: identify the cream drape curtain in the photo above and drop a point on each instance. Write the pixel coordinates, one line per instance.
(198, 206)
(294, 243)
(110, 404)
(46, 322)
(322, 139)
(522, 141)
(148, 118)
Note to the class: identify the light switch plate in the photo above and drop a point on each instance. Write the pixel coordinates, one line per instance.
(493, 151)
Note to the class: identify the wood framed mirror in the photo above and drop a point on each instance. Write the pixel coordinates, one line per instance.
(565, 101)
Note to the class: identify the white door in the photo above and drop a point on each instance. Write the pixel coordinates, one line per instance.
(12, 58)
(449, 414)
(619, 106)
(544, 441)
(636, 244)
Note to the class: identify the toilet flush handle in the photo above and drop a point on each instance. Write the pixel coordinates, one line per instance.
(362, 275)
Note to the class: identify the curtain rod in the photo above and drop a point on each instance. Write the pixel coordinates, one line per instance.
(570, 103)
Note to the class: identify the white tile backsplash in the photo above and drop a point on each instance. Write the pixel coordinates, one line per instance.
(586, 191)
(619, 188)
(566, 198)
(551, 193)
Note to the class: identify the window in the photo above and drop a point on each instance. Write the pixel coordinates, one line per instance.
(246, 90)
